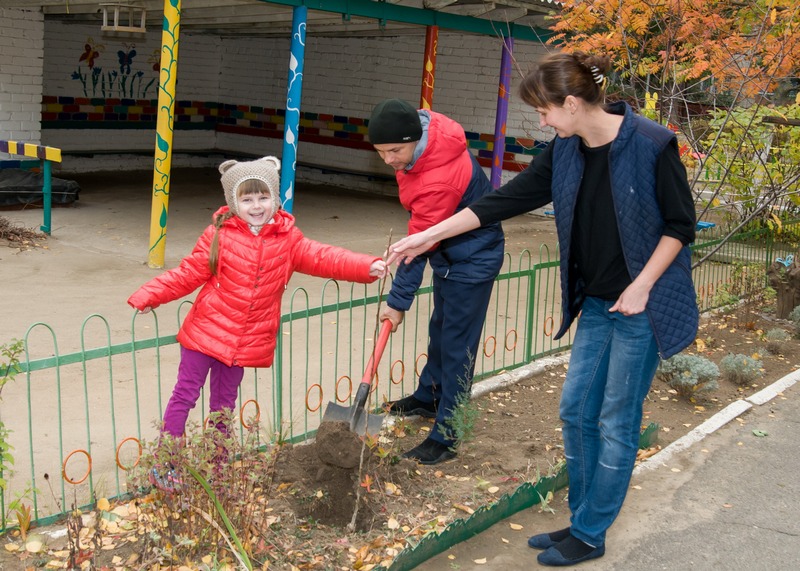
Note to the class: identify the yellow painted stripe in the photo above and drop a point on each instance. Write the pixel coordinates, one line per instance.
(31, 150)
(52, 154)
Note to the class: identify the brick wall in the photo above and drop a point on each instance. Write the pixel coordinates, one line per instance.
(343, 79)
(21, 42)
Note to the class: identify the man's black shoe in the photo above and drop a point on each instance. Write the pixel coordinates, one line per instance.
(410, 406)
(430, 452)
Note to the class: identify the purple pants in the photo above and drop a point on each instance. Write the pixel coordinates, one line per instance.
(224, 383)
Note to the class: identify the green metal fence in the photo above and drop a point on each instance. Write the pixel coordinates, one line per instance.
(79, 420)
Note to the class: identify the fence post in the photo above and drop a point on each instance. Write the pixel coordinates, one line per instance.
(529, 317)
(47, 196)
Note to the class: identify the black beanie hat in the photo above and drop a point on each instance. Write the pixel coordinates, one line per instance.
(394, 121)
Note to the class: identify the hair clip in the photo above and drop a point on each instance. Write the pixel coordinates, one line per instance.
(596, 75)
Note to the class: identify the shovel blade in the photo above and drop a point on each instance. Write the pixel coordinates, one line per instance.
(336, 413)
(360, 421)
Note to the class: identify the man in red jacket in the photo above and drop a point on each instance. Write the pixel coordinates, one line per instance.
(437, 176)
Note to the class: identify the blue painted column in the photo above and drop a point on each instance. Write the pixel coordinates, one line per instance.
(501, 117)
(291, 121)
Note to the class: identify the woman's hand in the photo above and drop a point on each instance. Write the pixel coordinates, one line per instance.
(409, 248)
(412, 246)
(633, 300)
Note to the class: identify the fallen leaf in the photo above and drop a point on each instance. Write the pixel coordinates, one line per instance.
(464, 508)
(759, 433)
(481, 561)
(504, 540)
(515, 526)
(34, 545)
(493, 490)
(727, 505)
(392, 523)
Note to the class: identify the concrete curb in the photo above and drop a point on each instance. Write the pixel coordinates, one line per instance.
(502, 380)
(719, 420)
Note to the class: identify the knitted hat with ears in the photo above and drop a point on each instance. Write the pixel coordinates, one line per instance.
(264, 169)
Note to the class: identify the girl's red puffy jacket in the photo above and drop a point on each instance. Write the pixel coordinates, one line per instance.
(236, 315)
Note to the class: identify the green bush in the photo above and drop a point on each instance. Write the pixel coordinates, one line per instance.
(740, 369)
(689, 375)
(794, 317)
(9, 368)
(776, 340)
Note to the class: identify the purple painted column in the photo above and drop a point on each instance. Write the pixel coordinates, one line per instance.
(502, 113)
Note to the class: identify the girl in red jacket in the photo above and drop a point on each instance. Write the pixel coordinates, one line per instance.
(242, 262)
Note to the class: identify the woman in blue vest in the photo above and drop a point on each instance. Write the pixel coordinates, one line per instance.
(625, 216)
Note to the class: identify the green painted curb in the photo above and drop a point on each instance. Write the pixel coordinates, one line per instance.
(649, 436)
(524, 496)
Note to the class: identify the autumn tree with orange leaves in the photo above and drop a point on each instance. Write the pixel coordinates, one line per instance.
(689, 51)
(725, 77)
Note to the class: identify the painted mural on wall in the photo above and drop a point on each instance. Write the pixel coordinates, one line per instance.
(123, 80)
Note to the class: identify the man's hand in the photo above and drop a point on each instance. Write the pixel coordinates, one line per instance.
(389, 314)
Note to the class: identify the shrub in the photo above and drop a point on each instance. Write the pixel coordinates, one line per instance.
(794, 316)
(9, 368)
(776, 340)
(218, 477)
(460, 427)
(740, 369)
(689, 375)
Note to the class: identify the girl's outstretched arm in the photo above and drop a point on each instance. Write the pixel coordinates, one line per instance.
(411, 246)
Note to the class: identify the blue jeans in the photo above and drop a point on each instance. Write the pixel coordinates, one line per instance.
(614, 358)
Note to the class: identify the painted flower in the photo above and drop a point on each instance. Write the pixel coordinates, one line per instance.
(155, 60)
(125, 60)
(89, 54)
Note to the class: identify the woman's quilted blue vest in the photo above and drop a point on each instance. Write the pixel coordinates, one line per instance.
(672, 307)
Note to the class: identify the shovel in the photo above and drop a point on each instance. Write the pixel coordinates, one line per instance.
(361, 422)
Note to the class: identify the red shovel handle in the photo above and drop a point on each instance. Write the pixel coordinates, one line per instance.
(372, 365)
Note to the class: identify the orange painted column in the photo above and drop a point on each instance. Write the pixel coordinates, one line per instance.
(429, 69)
